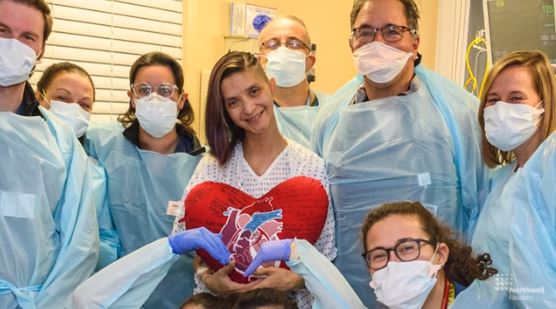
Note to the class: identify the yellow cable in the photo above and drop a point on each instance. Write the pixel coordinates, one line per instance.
(468, 66)
(485, 72)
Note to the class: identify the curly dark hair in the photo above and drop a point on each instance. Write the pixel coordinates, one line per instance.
(461, 266)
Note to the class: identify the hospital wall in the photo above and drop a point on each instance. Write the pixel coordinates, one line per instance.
(205, 27)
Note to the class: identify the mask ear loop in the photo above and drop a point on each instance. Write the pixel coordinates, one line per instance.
(44, 99)
(435, 267)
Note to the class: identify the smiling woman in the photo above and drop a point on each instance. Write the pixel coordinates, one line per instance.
(260, 176)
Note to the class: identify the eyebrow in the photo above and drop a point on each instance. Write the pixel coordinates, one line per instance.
(399, 240)
(33, 34)
(511, 93)
(256, 84)
(63, 89)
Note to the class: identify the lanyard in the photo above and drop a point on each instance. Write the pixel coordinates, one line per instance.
(446, 296)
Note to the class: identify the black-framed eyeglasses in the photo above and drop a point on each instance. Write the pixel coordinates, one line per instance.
(144, 89)
(407, 249)
(291, 43)
(390, 33)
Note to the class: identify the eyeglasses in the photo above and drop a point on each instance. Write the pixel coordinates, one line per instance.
(407, 249)
(164, 90)
(291, 43)
(390, 33)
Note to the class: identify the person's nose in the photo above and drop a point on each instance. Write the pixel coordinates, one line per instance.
(249, 107)
(393, 257)
(378, 37)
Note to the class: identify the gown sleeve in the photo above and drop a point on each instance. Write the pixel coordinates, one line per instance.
(323, 280)
(128, 282)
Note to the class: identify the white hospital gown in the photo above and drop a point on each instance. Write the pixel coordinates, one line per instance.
(294, 160)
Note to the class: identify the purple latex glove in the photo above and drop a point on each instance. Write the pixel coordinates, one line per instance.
(200, 238)
(276, 250)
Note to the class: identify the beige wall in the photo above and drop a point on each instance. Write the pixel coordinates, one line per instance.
(205, 25)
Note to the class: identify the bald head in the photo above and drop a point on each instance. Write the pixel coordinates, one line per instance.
(283, 27)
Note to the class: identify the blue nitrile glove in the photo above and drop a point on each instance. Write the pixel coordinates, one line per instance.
(200, 238)
(276, 250)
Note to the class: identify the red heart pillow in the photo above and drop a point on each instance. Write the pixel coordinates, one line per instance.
(296, 208)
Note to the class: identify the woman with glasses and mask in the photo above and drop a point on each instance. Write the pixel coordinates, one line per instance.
(68, 91)
(149, 157)
(517, 114)
(414, 261)
(254, 187)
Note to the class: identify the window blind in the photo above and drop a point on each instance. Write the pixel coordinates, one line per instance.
(105, 37)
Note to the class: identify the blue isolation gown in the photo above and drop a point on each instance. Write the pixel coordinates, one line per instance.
(532, 249)
(140, 185)
(296, 122)
(128, 282)
(109, 242)
(48, 227)
(326, 284)
(491, 236)
(517, 227)
(423, 146)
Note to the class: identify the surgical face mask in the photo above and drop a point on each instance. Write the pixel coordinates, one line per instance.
(404, 284)
(508, 126)
(17, 61)
(73, 115)
(380, 62)
(156, 114)
(286, 66)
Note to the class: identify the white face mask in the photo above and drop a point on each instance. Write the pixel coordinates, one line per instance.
(286, 66)
(508, 125)
(73, 115)
(404, 284)
(156, 114)
(17, 61)
(380, 62)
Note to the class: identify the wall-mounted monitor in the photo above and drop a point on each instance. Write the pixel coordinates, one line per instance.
(520, 24)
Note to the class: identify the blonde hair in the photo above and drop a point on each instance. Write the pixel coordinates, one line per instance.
(545, 84)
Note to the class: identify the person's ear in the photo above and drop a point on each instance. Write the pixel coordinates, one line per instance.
(42, 100)
(39, 56)
(442, 253)
(181, 101)
(416, 42)
(131, 98)
(262, 60)
(272, 83)
(310, 63)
